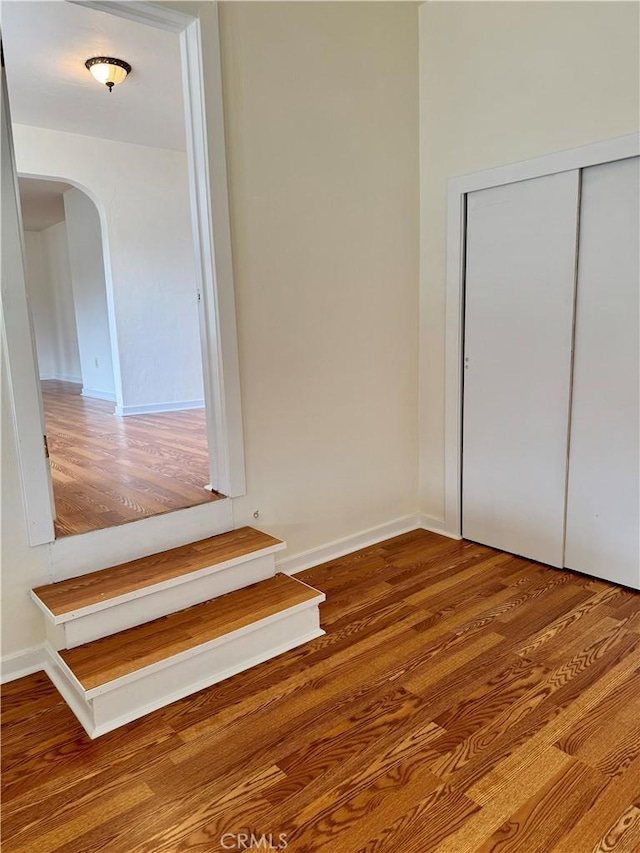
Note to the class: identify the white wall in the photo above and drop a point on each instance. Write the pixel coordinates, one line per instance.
(502, 82)
(55, 252)
(322, 131)
(321, 112)
(89, 294)
(321, 108)
(142, 196)
(41, 302)
(51, 299)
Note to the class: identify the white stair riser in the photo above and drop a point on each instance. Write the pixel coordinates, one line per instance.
(153, 605)
(55, 635)
(154, 688)
(72, 556)
(82, 709)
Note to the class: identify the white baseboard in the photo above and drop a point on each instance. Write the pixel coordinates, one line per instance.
(152, 408)
(437, 525)
(341, 547)
(61, 377)
(99, 395)
(22, 663)
(372, 536)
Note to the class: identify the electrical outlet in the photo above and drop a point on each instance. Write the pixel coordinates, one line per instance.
(95, 360)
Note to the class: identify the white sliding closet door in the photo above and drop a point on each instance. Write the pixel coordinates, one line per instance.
(602, 536)
(519, 299)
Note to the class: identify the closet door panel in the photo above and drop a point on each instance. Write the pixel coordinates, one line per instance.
(519, 298)
(602, 536)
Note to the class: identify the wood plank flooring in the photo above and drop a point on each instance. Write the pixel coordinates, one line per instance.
(76, 593)
(462, 701)
(108, 470)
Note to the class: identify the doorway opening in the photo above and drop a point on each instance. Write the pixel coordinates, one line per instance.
(126, 327)
(105, 469)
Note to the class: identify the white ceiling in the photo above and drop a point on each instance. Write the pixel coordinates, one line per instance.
(42, 203)
(46, 45)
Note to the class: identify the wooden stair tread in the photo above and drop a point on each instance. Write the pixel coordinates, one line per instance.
(76, 593)
(101, 661)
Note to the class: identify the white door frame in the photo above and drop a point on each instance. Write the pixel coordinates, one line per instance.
(18, 350)
(606, 151)
(212, 245)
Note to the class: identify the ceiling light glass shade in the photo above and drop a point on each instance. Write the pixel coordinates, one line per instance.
(108, 70)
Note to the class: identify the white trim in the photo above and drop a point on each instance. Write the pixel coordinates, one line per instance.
(19, 351)
(73, 556)
(606, 151)
(437, 525)
(151, 408)
(142, 13)
(46, 377)
(618, 148)
(79, 708)
(22, 663)
(210, 207)
(206, 155)
(94, 394)
(365, 538)
(348, 544)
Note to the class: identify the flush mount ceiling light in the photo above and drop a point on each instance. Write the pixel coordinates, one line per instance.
(108, 70)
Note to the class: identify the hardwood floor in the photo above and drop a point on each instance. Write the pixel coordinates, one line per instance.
(108, 470)
(462, 700)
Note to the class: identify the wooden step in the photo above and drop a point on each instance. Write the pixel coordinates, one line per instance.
(96, 589)
(111, 600)
(102, 661)
(116, 679)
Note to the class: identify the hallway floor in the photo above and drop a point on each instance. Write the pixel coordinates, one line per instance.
(109, 470)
